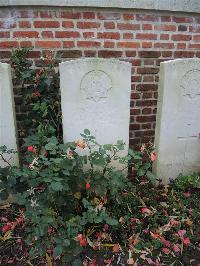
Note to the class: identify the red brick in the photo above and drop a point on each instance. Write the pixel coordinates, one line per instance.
(9, 44)
(127, 35)
(135, 95)
(146, 44)
(109, 25)
(136, 79)
(89, 53)
(149, 54)
(182, 19)
(68, 44)
(128, 26)
(166, 54)
(108, 16)
(145, 17)
(148, 62)
(25, 14)
(25, 34)
(47, 44)
(146, 26)
(165, 27)
(147, 70)
(146, 36)
(146, 126)
(194, 46)
(108, 35)
(88, 44)
(196, 38)
(69, 53)
(47, 34)
(147, 95)
(181, 45)
(68, 24)
(128, 44)
(147, 111)
(89, 15)
(149, 118)
(108, 44)
(144, 133)
(130, 53)
(181, 37)
(4, 34)
(165, 18)
(133, 126)
(46, 14)
(7, 24)
(34, 54)
(88, 25)
(109, 54)
(164, 36)
(164, 45)
(70, 15)
(5, 54)
(67, 34)
(148, 79)
(195, 29)
(88, 35)
(134, 111)
(26, 44)
(135, 62)
(24, 24)
(128, 16)
(147, 87)
(182, 28)
(46, 24)
(182, 54)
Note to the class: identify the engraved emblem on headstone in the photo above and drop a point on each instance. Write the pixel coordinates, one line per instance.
(191, 83)
(96, 85)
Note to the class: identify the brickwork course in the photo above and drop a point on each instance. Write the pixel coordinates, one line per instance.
(142, 37)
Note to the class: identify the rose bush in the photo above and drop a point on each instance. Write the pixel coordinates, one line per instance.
(72, 207)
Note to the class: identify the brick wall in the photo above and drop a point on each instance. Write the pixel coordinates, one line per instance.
(143, 38)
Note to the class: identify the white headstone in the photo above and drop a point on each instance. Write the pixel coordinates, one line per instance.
(177, 137)
(7, 115)
(95, 95)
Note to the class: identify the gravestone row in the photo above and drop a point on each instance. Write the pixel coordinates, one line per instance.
(95, 94)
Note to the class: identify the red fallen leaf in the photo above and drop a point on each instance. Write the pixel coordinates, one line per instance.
(10, 261)
(116, 248)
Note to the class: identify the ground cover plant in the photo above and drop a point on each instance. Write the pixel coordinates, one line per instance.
(72, 207)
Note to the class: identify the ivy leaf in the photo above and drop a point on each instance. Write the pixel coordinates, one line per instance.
(57, 251)
(56, 186)
(86, 131)
(77, 262)
(151, 176)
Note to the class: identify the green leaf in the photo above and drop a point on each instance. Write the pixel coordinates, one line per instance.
(56, 186)
(86, 131)
(151, 176)
(77, 262)
(58, 250)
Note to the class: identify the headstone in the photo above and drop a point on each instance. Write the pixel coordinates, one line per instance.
(95, 95)
(177, 137)
(7, 115)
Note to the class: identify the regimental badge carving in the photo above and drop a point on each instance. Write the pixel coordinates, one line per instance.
(191, 83)
(96, 84)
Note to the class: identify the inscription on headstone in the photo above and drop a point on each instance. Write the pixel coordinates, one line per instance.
(178, 119)
(7, 115)
(95, 94)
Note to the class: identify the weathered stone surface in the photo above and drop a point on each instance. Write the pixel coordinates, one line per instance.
(95, 94)
(171, 5)
(7, 114)
(177, 137)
